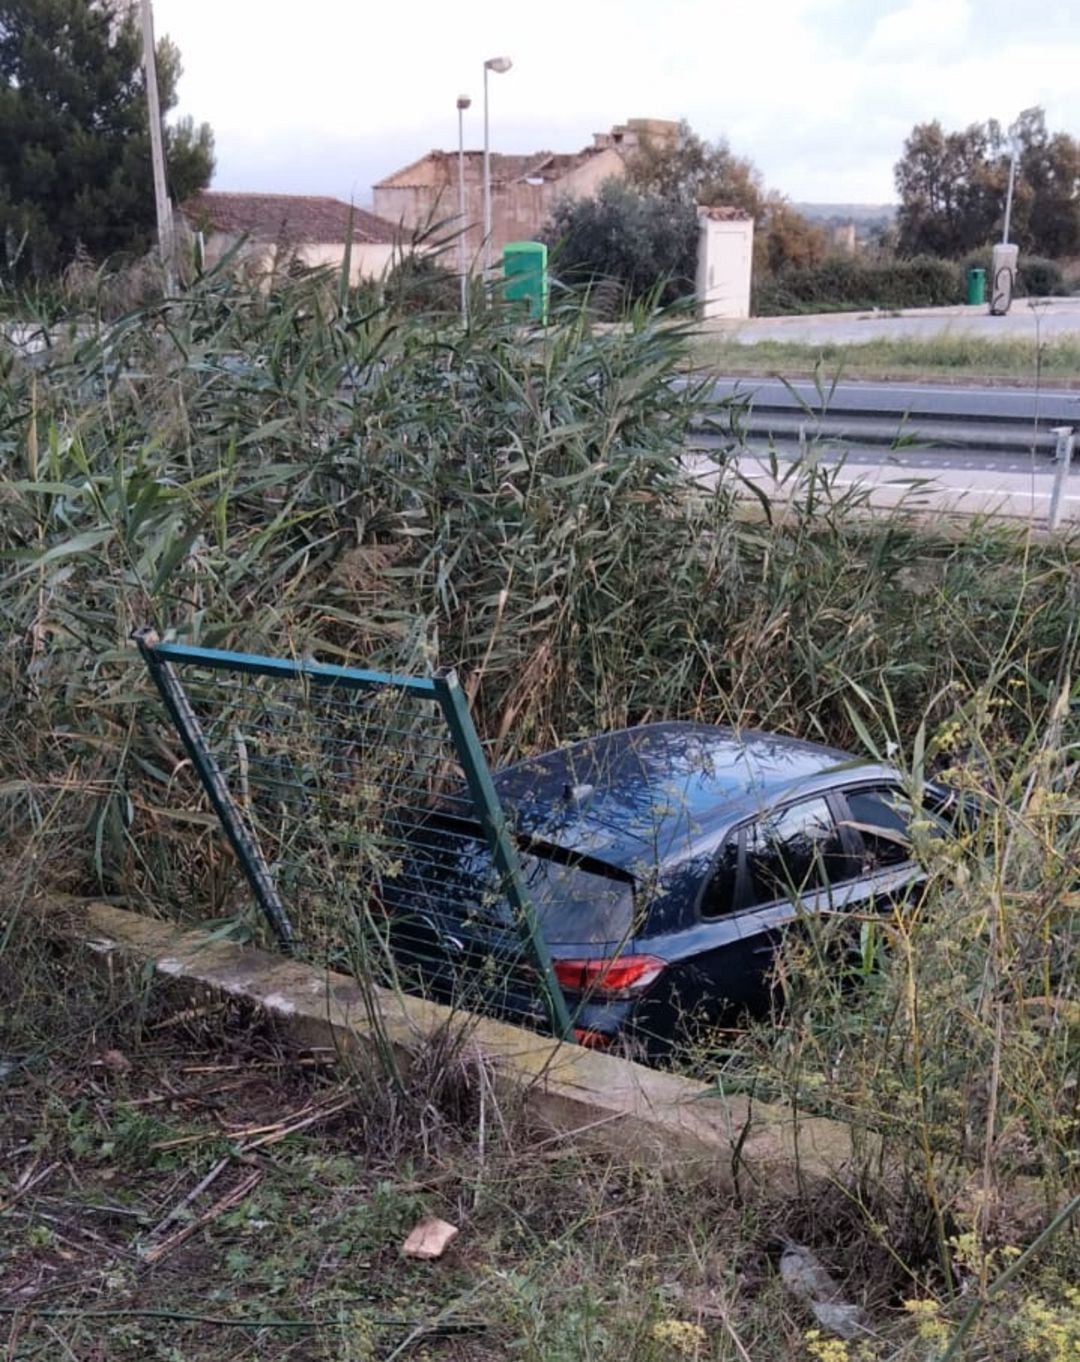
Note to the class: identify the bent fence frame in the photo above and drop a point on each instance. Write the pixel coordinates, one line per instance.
(169, 665)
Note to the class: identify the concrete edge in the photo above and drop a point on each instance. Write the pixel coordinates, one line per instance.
(578, 1094)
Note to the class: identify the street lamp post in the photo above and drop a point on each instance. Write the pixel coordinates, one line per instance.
(162, 206)
(1015, 150)
(463, 249)
(499, 65)
(1015, 147)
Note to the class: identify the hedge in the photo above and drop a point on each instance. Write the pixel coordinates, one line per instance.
(842, 284)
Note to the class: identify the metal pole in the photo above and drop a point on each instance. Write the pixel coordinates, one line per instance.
(1009, 197)
(1064, 453)
(237, 828)
(487, 183)
(162, 206)
(489, 810)
(463, 246)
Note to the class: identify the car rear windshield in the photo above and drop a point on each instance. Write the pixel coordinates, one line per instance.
(575, 906)
(451, 872)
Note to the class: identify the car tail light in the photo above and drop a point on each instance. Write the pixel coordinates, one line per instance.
(623, 976)
(589, 1039)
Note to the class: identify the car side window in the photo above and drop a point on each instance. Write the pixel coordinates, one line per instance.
(882, 817)
(795, 850)
(720, 895)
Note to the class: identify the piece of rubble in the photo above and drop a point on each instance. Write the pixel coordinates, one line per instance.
(805, 1276)
(113, 1060)
(430, 1239)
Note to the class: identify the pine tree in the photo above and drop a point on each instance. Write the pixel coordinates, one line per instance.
(74, 135)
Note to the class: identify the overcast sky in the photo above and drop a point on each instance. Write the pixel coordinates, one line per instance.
(327, 96)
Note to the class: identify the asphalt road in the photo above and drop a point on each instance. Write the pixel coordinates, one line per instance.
(968, 450)
(948, 402)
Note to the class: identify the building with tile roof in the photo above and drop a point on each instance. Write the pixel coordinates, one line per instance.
(280, 229)
(423, 196)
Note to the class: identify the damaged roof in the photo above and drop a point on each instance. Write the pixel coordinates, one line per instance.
(439, 168)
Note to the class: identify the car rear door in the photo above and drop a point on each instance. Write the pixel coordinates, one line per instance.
(768, 873)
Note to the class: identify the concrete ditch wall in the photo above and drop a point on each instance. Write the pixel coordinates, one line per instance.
(578, 1094)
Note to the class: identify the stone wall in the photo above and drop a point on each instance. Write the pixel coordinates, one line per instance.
(367, 261)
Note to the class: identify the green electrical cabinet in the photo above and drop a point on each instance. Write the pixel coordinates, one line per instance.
(526, 274)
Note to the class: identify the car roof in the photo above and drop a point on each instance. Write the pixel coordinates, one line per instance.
(643, 795)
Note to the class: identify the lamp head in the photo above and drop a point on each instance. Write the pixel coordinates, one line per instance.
(463, 101)
(498, 64)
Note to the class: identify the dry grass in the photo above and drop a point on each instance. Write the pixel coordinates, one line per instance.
(179, 1184)
(947, 359)
(309, 471)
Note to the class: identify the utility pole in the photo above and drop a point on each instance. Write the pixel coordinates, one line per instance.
(157, 149)
(500, 65)
(463, 224)
(1014, 152)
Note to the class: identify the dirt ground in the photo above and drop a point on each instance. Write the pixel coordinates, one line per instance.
(177, 1185)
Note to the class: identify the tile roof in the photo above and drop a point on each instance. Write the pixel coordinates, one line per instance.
(721, 212)
(287, 217)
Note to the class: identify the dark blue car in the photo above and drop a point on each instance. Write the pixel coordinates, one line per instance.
(665, 863)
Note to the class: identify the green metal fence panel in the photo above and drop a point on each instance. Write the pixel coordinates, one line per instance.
(361, 809)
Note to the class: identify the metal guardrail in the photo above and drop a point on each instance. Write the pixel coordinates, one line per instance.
(361, 809)
(1006, 421)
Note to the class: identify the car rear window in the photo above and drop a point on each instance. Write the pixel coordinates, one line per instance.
(450, 872)
(576, 906)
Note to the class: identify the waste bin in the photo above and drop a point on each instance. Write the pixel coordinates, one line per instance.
(976, 287)
(526, 274)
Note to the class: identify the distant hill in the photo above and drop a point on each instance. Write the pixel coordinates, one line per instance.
(861, 214)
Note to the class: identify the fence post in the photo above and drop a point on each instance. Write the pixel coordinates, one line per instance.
(247, 849)
(1064, 455)
(504, 853)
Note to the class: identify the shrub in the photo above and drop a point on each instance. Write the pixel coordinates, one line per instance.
(1040, 278)
(841, 283)
(623, 247)
(980, 259)
(419, 283)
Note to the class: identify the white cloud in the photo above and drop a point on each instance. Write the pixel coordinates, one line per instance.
(820, 93)
(919, 28)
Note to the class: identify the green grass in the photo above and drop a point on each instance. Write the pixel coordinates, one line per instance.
(1053, 363)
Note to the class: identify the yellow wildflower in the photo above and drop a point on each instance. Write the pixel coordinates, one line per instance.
(680, 1335)
(930, 1326)
(823, 1349)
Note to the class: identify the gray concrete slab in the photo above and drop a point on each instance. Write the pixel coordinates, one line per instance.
(918, 482)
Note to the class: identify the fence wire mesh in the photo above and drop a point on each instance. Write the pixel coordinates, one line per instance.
(363, 814)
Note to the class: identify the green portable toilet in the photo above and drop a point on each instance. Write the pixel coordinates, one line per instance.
(526, 273)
